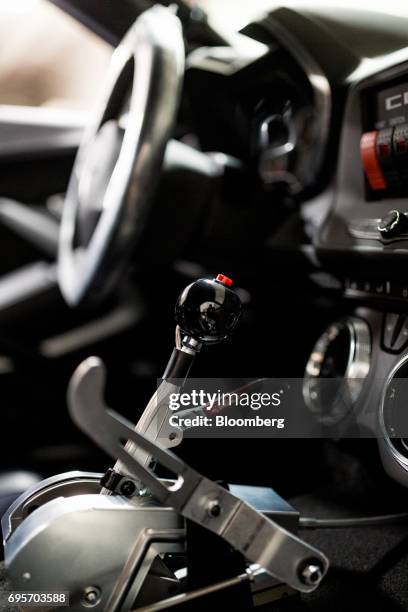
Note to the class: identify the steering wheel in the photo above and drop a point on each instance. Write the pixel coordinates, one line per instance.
(119, 160)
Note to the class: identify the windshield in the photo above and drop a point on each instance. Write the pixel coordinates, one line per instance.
(235, 13)
(47, 58)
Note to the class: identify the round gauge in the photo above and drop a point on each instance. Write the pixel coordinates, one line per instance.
(394, 413)
(336, 370)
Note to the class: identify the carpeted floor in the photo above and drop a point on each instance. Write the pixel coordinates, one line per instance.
(6, 586)
(368, 566)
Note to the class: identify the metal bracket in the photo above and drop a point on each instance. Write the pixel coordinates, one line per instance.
(261, 540)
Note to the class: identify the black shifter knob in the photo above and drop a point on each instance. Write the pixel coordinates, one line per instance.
(208, 310)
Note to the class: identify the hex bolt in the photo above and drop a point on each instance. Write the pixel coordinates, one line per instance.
(91, 596)
(311, 573)
(127, 488)
(214, 508)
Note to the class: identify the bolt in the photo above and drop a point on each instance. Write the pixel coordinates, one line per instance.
(26, 576)
(127, 488)
(91, 596)
(172, 436)
(214, 508)
(311, 573)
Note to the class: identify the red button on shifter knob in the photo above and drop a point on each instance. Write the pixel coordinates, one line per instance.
(221, 278)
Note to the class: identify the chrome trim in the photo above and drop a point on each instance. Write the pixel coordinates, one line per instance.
(358, 366)
(399, 457)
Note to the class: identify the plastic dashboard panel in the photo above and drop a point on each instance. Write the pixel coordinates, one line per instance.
(350, 202)
(31, 130)
(372, 270)
(354, 65)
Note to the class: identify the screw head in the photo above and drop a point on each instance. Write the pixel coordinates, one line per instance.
(214, 508)
(91, 596)
(311, 573)
(127, 488)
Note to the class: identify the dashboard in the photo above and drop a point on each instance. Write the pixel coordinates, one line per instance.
(334, 82)
(264, 110)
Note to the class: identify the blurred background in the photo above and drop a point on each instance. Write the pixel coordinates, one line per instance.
(49, 59)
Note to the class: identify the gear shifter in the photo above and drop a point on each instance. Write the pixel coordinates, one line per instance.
(113, 547)
(207, 312)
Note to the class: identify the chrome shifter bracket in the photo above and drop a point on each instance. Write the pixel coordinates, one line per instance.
(261, 540)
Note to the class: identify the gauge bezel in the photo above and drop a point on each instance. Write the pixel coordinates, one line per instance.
(356, 371)
(397, 455)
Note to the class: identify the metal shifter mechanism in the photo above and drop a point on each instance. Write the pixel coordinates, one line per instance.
(259, 539)
(206, 312)
(64, 535)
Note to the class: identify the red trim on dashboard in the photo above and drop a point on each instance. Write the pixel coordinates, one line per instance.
(371, 165)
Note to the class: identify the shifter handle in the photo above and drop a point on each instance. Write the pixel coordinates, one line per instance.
(208, 311)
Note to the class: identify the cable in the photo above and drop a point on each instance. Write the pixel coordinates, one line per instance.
(365, 521)
(183, 598)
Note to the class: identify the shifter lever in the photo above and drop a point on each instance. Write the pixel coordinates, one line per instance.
(207, 312)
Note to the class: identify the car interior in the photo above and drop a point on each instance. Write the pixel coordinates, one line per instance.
(266, 164)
